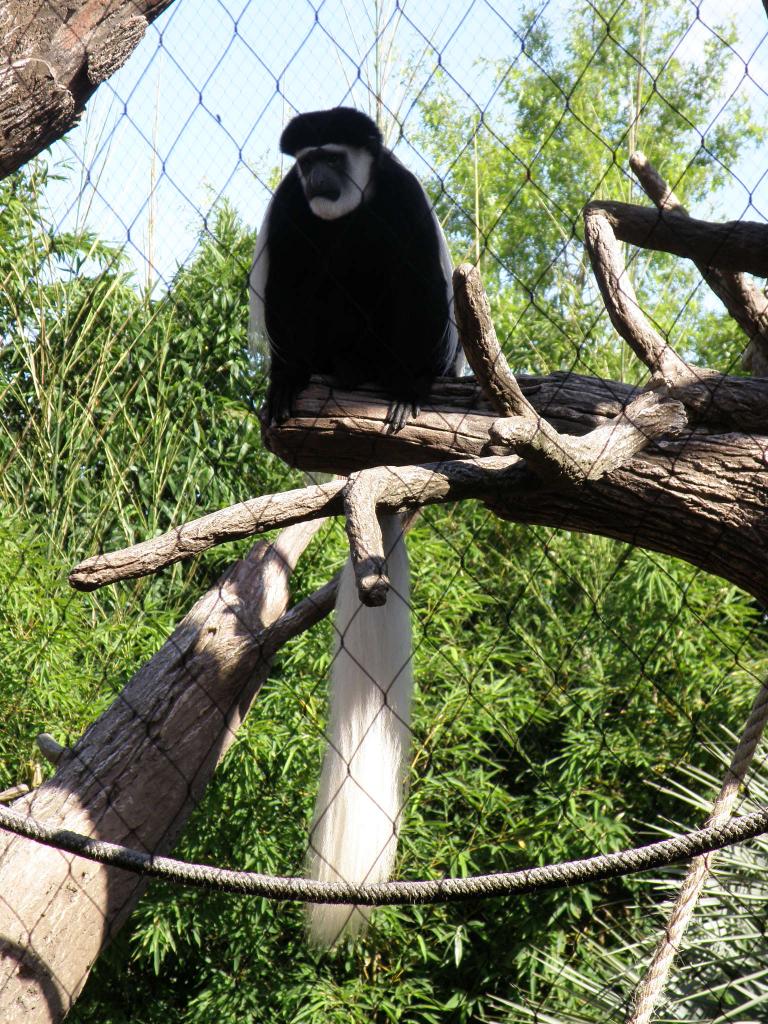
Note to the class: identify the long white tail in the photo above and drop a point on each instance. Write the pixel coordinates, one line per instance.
(357, 815)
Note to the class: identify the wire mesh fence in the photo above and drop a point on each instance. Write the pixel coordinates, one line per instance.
(577, 692)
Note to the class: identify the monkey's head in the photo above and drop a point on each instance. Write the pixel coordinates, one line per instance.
(335, 151)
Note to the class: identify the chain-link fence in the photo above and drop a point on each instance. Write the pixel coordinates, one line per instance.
(585, 653)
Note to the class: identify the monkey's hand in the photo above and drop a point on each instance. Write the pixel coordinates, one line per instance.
(398, 414)
(280, 396)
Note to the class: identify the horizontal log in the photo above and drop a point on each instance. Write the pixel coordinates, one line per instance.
(339, 431)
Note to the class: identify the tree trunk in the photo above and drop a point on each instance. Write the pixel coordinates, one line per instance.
(135, 776)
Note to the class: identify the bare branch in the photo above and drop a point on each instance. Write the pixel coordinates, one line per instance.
(731, 245)
(745, 303)
(7, 795)
(246, 519)
(403, 490)
(50, 748)
(481, 346)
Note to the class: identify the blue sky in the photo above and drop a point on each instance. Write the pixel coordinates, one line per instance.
(197, 111)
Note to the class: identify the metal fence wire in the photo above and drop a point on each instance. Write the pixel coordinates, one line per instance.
(578, 692)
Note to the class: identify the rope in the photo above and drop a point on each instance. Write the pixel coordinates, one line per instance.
(650, 989)
(553, 876)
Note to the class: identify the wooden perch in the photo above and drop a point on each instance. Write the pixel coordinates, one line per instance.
(606, 440)
(388, 490)
(556, 458)
(745, 303)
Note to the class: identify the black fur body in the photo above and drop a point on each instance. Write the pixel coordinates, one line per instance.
(363, 298)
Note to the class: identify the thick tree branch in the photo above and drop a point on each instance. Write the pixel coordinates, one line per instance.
(55, 54)
(165, 733)
(457, 421)
(731, 245)
(745, 303)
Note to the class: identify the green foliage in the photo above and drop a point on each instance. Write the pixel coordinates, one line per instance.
(721, 973)
(119, 417)
(122, 416)
(62, 657)
(559, 676)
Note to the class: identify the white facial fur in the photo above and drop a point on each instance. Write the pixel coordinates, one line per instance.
(356, 187)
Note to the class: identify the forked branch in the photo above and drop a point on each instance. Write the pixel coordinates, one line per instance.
(739, 245)
(560, 459)
(745, 303)
(621, 302)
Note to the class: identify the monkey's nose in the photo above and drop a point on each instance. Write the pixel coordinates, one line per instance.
(321, 184)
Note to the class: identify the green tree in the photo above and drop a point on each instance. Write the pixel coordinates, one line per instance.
(567, 112)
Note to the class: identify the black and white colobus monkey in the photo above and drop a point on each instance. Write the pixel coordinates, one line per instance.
(351, 278)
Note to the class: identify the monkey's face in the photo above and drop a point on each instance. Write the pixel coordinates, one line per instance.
(336, 179)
